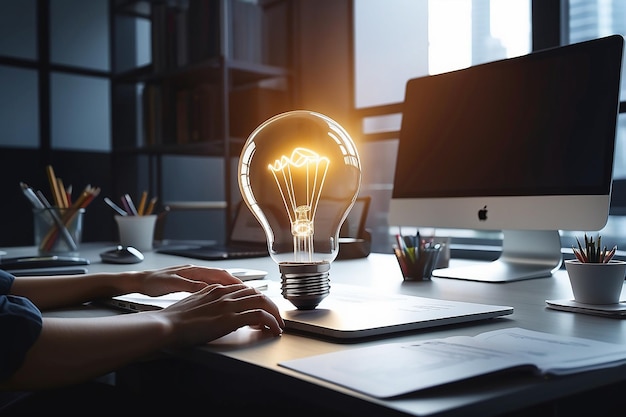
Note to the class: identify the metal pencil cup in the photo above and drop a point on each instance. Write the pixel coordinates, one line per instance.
(420, 267)
(58, 230)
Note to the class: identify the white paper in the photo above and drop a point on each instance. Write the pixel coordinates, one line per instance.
(393, 369)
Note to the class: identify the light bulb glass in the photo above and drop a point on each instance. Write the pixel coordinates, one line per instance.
(300, 173)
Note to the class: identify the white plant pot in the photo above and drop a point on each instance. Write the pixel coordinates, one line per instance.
(596, 283)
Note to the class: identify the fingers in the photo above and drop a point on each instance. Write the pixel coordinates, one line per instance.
(260, 319)
(190, 278)
(247, 299)
(238, 298)
(237, 303)
(207, 274)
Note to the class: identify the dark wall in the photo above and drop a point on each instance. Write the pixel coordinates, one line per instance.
(323, 58)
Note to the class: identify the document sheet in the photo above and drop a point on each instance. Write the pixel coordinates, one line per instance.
(392, 369)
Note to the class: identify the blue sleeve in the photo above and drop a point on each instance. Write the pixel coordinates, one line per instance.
(20, 326)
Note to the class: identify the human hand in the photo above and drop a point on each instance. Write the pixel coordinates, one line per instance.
(218, 310)
(190, 278)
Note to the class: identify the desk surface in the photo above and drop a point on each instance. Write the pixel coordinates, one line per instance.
(259, 353)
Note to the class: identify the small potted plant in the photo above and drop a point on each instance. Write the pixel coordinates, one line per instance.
(595, 277)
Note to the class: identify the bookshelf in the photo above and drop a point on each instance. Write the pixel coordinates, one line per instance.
(191, 80)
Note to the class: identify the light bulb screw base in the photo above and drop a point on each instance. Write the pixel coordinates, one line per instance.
(305, 285)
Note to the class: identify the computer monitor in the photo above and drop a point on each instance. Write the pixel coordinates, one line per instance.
(523, 145)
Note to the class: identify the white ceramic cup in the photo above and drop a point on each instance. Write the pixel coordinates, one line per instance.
(136, 231)
(596, 283)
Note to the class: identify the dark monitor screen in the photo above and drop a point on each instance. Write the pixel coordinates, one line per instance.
(524, 143)
(538, 124)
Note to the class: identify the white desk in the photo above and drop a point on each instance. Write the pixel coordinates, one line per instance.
(258, 355)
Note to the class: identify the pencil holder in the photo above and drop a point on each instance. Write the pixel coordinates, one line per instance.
(58, 230)
(419, 265)
(443, 259)
(137, 231)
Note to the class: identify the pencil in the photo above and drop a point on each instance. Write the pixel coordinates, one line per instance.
(142, 203)
(610, 255)
(68, 194)
(54, 186)
(577, 254)
(583, 252)
(401, 260)
(150, 208)
(62, 193)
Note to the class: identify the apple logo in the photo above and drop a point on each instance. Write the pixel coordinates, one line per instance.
(482, 214)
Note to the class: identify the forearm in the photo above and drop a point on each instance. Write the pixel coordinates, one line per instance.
(60, 291)
(70, 350)
(74, 350)
(57, 291)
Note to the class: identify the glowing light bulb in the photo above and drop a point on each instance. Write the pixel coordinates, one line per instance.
(300, 173)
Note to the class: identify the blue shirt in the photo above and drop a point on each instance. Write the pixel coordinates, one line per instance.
(20, 326)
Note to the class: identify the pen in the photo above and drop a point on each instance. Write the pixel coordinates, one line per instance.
(115, 206)
(408, 253)
(128, 203)
(31, 196)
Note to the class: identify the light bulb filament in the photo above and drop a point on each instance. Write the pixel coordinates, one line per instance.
(300, 179)
(303, 226)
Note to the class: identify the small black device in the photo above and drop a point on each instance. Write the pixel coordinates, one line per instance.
(31, 262)
(122, 255)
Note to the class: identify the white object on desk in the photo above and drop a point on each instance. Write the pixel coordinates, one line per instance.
(617, 310)
(136, 231)
(392, 369)
(353, 312)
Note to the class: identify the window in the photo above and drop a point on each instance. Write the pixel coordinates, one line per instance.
(400, 39)
(17, 29)
(20, 125)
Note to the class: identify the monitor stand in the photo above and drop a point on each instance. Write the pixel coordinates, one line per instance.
(525, 254)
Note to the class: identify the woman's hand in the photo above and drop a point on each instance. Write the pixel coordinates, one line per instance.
(218, 310)
(87, 347)
(75, 349)
(190, 278)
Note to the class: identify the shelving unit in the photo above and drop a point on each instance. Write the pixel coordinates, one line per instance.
(217, 69)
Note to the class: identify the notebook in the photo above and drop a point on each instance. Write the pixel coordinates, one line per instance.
(246, 240)
(350, 313)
